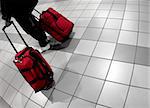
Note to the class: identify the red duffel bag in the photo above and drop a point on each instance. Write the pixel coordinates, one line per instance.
(32, 66)
(55, 24)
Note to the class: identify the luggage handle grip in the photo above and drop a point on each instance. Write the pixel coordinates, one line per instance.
(11, 22)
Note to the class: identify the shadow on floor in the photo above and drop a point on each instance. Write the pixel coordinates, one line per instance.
(3, 104)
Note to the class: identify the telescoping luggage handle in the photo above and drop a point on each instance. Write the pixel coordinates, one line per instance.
(11, 22)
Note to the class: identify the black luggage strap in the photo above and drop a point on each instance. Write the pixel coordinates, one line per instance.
(42, 63)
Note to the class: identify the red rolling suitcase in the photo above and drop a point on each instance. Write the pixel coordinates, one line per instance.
(56, 24)
(33, 67)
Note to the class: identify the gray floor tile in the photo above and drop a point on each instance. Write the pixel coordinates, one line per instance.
(77, 63)
(125, 53)
(118, 7)
(17, 81)
(39, 98)
(9, 95)
(101, 13)
(116, 14)
(97, 22)
(19, 101)
(104, 50)
(85, 47)
(3, 37)
(113, 95)
(144, 17)
(141, 76)
(130, 25)
(61, 59)
(127, 37)
(75, 13)
(70, 45)
(87, 13)
(120, 72)
(104, 6)
(78, 32)
(26, 89)
(144, 27)
(3, 104)
(144, 40)
(3, 88)
(143, 56)
(138, 98)
(91, 6)
(58, 100)
(91, 34)
(90, 86)
(131, 7)
(32, 104)
(97, 68)
(144, 8)
(68, 82)
(109, 35)
(98, 106)
(131, 15)
(7, 73)
(57, 73)
(78, 103)
(113, 23)
(3, 45)
(14, 37)
(81, 6)
(83, 22)
(49, 56)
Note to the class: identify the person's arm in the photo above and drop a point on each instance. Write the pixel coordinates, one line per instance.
(5, 12)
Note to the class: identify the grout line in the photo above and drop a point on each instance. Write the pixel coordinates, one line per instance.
(63, 69)
(104, 79)
(87, 63)
(79, 98)
(134, 56)
(111, 59)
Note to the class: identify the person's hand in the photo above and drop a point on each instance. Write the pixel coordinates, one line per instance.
(7, 20)
(7, 23)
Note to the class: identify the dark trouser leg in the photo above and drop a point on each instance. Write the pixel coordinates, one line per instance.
(29, 25)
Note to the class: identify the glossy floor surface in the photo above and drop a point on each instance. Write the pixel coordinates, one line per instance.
(106, 63)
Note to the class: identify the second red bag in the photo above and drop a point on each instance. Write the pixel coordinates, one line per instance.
(56, 24)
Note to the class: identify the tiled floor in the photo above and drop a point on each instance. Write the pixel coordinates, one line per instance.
(106, 65)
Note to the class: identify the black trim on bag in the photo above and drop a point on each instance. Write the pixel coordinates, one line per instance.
(42, 63)
(35, 80)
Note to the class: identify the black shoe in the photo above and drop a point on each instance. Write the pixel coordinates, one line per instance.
(56, 47)
(51, 47)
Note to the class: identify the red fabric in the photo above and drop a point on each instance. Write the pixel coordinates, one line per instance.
(56, 24)
(32, 69)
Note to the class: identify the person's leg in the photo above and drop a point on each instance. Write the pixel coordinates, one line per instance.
(30, 26)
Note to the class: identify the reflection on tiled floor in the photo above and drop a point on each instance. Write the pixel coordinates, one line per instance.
(106, 65)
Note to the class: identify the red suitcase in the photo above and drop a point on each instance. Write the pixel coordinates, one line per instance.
(56, 24)
(33, 67)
